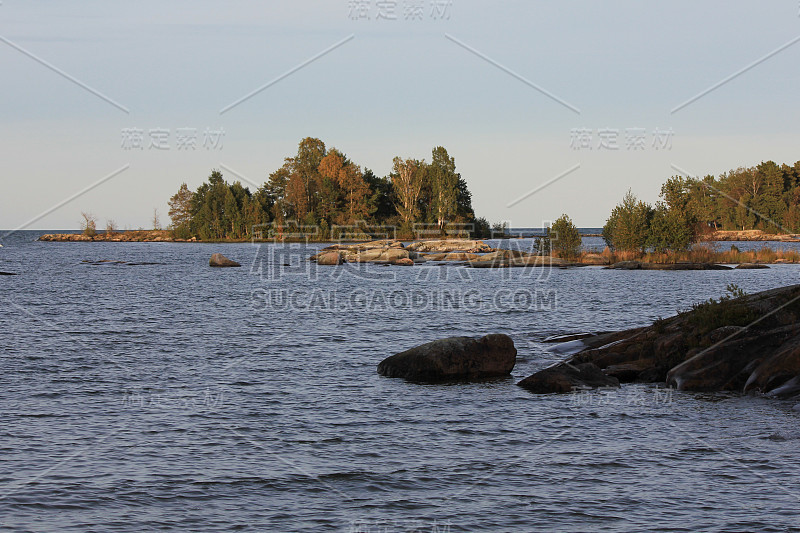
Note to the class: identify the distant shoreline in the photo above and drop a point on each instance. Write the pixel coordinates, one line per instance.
(166, 236)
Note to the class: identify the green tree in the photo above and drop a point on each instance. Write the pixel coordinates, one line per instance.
(627, 227)
(275, 188)
(444, 186)
(180, 212)
(483, 230)
(563, 238)
(383, 198)
(669, 230)
(464, 210)
(407, 179)
(219, 210)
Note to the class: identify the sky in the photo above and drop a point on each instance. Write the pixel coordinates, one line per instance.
(547, 107)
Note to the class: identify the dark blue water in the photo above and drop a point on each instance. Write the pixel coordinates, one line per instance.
(179, 397)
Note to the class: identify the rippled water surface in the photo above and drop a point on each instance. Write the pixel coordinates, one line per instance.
(176, 396)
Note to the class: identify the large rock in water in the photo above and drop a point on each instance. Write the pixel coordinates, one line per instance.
(219, 260)
(453, 358)
(565, 377)
(745, 344)
(329, 258)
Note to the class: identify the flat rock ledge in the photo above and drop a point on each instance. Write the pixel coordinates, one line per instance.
(751, 266)
(565, 377)
(453, 358)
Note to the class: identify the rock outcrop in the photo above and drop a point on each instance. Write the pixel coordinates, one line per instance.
(450, 245)
(453, 358)
(219, 260)
(386, 251)
(745, 344)
(515, 258)
(566, 377)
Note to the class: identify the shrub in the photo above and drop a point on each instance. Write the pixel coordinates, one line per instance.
(500, 230)
(729, 310)
(89, 224)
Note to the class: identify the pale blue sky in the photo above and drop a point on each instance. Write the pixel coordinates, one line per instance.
(399, 87)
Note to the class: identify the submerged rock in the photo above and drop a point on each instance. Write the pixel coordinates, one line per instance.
(7, 274)
(750, 266)
(639, 265)
(453, 358)
(219, 260)
(565, 377)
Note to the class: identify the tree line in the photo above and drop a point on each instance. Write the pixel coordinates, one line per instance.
(324, 189)
(764, 197)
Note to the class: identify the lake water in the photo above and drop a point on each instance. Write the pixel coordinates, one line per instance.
(173, 396)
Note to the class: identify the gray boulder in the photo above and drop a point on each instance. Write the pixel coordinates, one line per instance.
(453, 358)
(219, 260)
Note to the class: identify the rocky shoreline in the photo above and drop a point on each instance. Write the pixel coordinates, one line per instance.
(166, 236)
(748, 344)
(122, 236)
(477, 254)
(752, 235)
